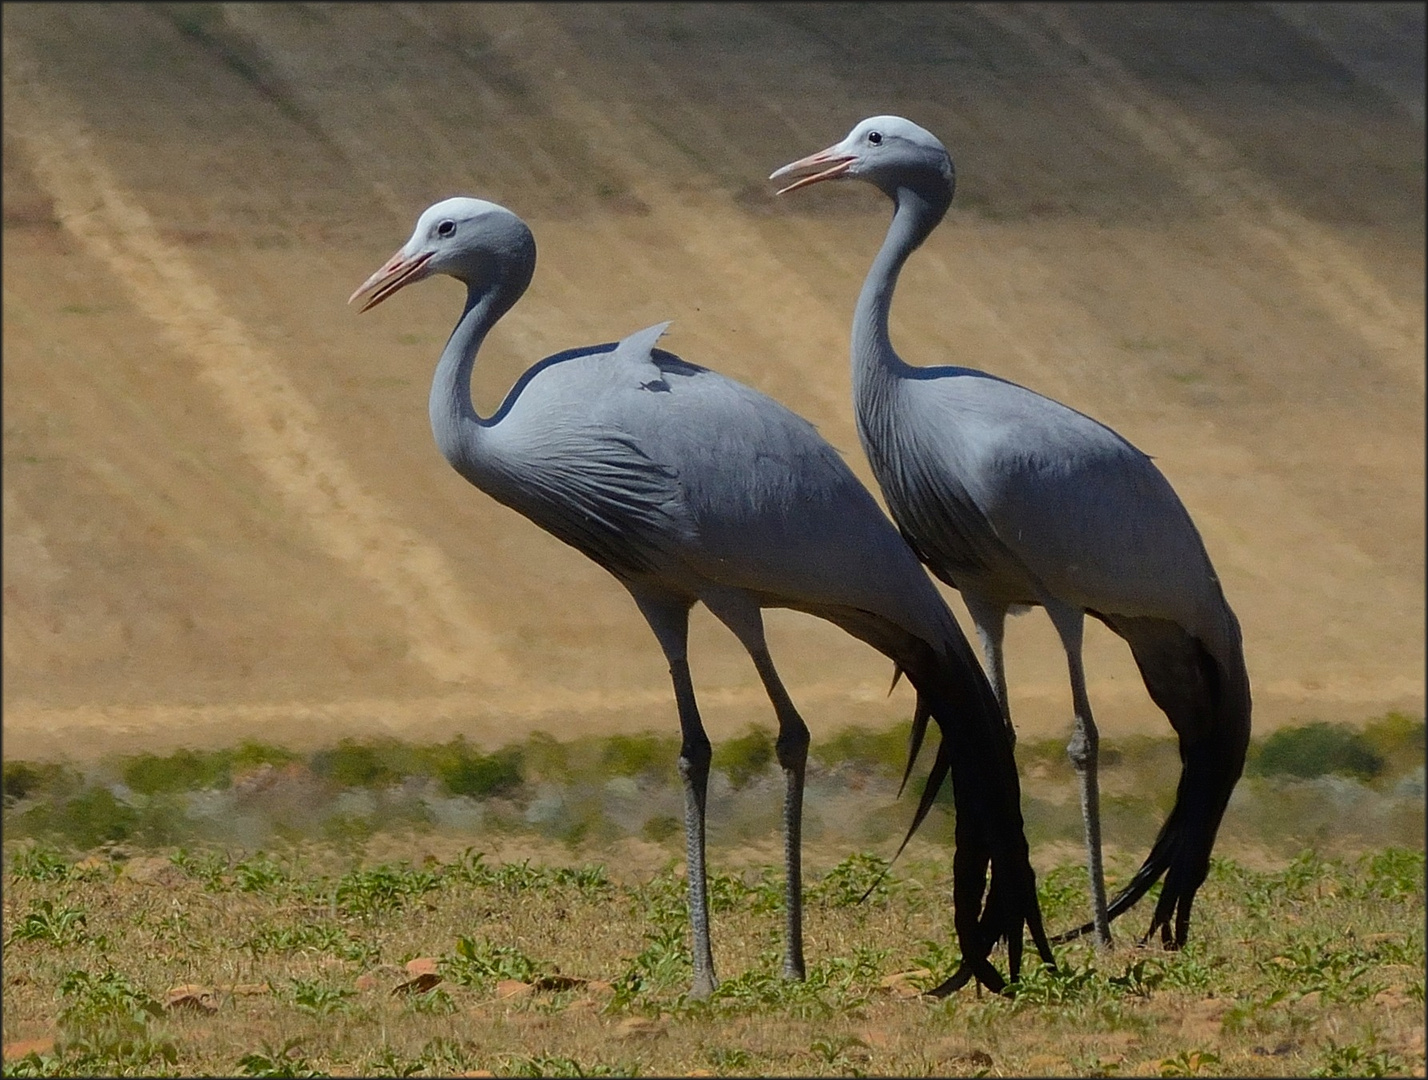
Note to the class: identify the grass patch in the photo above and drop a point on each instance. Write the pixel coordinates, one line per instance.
(295, 963)
(293, 890)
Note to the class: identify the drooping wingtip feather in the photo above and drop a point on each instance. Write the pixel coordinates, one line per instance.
(940, 768)
(914, 741)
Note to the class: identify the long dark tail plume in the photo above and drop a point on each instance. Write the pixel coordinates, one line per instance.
(1208, 703)
(976, 753)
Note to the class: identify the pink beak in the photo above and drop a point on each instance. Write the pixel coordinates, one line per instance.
(825, 165)
(396, 272)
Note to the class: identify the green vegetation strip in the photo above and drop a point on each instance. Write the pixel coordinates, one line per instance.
(1332, 787)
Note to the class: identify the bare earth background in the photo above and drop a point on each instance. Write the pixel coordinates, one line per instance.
(223, 512)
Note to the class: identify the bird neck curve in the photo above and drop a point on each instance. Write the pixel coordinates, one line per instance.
(455, 424)
(876, 365)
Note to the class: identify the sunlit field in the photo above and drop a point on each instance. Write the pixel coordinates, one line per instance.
(392, 909)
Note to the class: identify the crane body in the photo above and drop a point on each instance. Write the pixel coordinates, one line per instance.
(1017, 500)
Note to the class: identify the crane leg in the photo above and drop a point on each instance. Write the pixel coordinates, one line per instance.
(694, 757)
(792, 749)
(1083, 750)
(742, 615)
(990, 620)
(669, 619)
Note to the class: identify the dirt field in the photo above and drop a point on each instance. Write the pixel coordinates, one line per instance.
(223, 511)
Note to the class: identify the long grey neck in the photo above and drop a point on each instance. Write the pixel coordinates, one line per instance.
(459, 431)
(876, 366)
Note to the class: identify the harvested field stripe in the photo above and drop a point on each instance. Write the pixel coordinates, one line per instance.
(501, 717)
(1209, 168)
(280, 431)
(489, 719)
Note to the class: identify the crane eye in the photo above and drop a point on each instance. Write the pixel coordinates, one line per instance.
(875, 137)
(446, 228)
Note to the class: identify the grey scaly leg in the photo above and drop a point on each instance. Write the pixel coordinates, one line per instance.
(792, 749)
(1083, 750)
(669, 619)
(742, 615)
(990, 621)
(694, 757)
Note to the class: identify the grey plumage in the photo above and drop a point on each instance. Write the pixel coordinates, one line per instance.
(689, 487)
(1017, 500)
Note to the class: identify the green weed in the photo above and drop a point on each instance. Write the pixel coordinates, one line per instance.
(730, 1058)
(1062, 892)
(555, 1065)
(45, 923)
(447, 1057)
(260, 874)
(284, 1061)
(1066, 985)
(846, 1053)
(309, 937)
(1398, 740)
(763, 988)
(939, 957)
(39, 864)
(388, 1063)
(383, 888)
(1294, 972)
(1188, 969)
(1392, 874)
(105, 1002)
(155, 806)
(850, 881)
(353, 764)
(435, 1002)
(1189, 1063)
(664, 961)
(1353, 1060)
(108, 1054)
(482, 964)
(210, 867)
(1317, 966)
(318, 999)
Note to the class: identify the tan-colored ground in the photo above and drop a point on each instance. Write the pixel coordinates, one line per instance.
(223, 512)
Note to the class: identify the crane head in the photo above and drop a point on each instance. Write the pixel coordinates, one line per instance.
(887, 151)
(472, 240)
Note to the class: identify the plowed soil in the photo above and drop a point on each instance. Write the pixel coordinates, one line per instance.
(223, 512)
